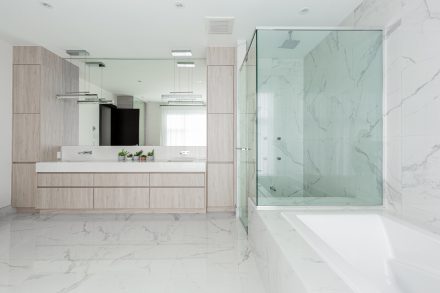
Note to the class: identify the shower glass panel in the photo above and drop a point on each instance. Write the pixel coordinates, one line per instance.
(246, 133)
(319, 117)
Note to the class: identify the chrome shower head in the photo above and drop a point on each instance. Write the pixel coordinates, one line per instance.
(289, 43)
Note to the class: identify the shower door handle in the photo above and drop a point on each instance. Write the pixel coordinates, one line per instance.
(243, 149)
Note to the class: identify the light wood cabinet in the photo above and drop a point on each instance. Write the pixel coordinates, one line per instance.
(27, 54)
(64, 198)
(26, 138)
(65, 180)
(177, 179)
(120, 180)
(220, 56)
(177, 198)
(169, 192)
(221, 138)
(26, 88)
(221, 89)
(121, 198)
(24, 185)
(220, 186)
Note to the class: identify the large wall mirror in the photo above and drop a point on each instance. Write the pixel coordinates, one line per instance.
(142, 102)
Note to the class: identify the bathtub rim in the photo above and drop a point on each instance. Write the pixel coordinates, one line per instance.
(354, 280)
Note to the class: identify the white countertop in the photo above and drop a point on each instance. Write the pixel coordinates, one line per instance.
(119, 167)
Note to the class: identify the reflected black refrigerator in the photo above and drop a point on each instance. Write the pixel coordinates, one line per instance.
(119, 127)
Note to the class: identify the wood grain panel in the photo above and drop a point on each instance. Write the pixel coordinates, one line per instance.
(177, 179)
(26, 88)
(26, 138)
(24, 185)
(220, 56)
(27, 55)
(65, 180)
(120, 180)
(221, 89)
(220, 137)
(220, 185)
(119, 198)
(71, 107)
(177, 198)
(64, 198)
(51, 109)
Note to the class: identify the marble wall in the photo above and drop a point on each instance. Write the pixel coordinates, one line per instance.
(411, 106)
(342, 118)
(280, 125)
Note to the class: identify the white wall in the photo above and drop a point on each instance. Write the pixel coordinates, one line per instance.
(5, 122)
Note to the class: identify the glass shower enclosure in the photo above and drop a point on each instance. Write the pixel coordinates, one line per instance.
(309, 118)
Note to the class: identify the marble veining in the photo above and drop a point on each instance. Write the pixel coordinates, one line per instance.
(343, 117)
(411, 106)
(63, 253)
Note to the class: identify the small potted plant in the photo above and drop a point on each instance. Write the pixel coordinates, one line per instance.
(143, 158)
(129, 156)
(122, 155)
(137, 155)
(150, 156)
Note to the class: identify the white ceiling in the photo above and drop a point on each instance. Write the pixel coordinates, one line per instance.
(150, 29)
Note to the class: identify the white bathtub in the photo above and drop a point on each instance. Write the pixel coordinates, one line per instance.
(372, 252)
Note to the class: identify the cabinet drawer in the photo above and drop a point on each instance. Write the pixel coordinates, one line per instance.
(121, 180)
(120, 198)
(64, 198)
(65, 180)
(177, 179)
(177, 198)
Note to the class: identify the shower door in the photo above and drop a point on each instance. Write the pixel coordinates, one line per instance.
(246, 134)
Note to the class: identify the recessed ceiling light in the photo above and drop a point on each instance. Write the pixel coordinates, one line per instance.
(186, 64)
(179, 4)
(305, 10)
(181, 53)
(46, 5)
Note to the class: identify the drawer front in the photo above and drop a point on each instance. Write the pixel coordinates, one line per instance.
(177, 179)
(65, 180)
(64, 198)
(121, 180)
(177, 198)
(121, 198)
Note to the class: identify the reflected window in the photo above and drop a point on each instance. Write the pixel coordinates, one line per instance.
(183, 126)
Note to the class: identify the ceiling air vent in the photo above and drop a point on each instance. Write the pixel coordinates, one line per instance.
(220, 25)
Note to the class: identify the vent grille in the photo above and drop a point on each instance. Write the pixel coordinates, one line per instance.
(220, 25)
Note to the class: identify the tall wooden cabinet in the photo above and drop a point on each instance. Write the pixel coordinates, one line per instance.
(39, 119)
(221, 117)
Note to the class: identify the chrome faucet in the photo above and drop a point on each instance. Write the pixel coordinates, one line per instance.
(85, 153)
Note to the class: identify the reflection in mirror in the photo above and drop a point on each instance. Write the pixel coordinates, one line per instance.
(148, 102)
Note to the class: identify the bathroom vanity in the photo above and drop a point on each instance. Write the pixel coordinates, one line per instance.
(159, 187)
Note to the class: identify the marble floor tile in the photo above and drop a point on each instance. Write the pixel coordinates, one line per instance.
(63, 253)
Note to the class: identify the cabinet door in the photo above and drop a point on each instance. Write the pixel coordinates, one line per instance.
(65, 180)
(220, 137)
(177, 198)
(24, 185)
(177, 179)
(120, 180)
(221, 186)
(221, 89)
(64, 198)
(26, 89)
(121, 198)
(26, 138)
